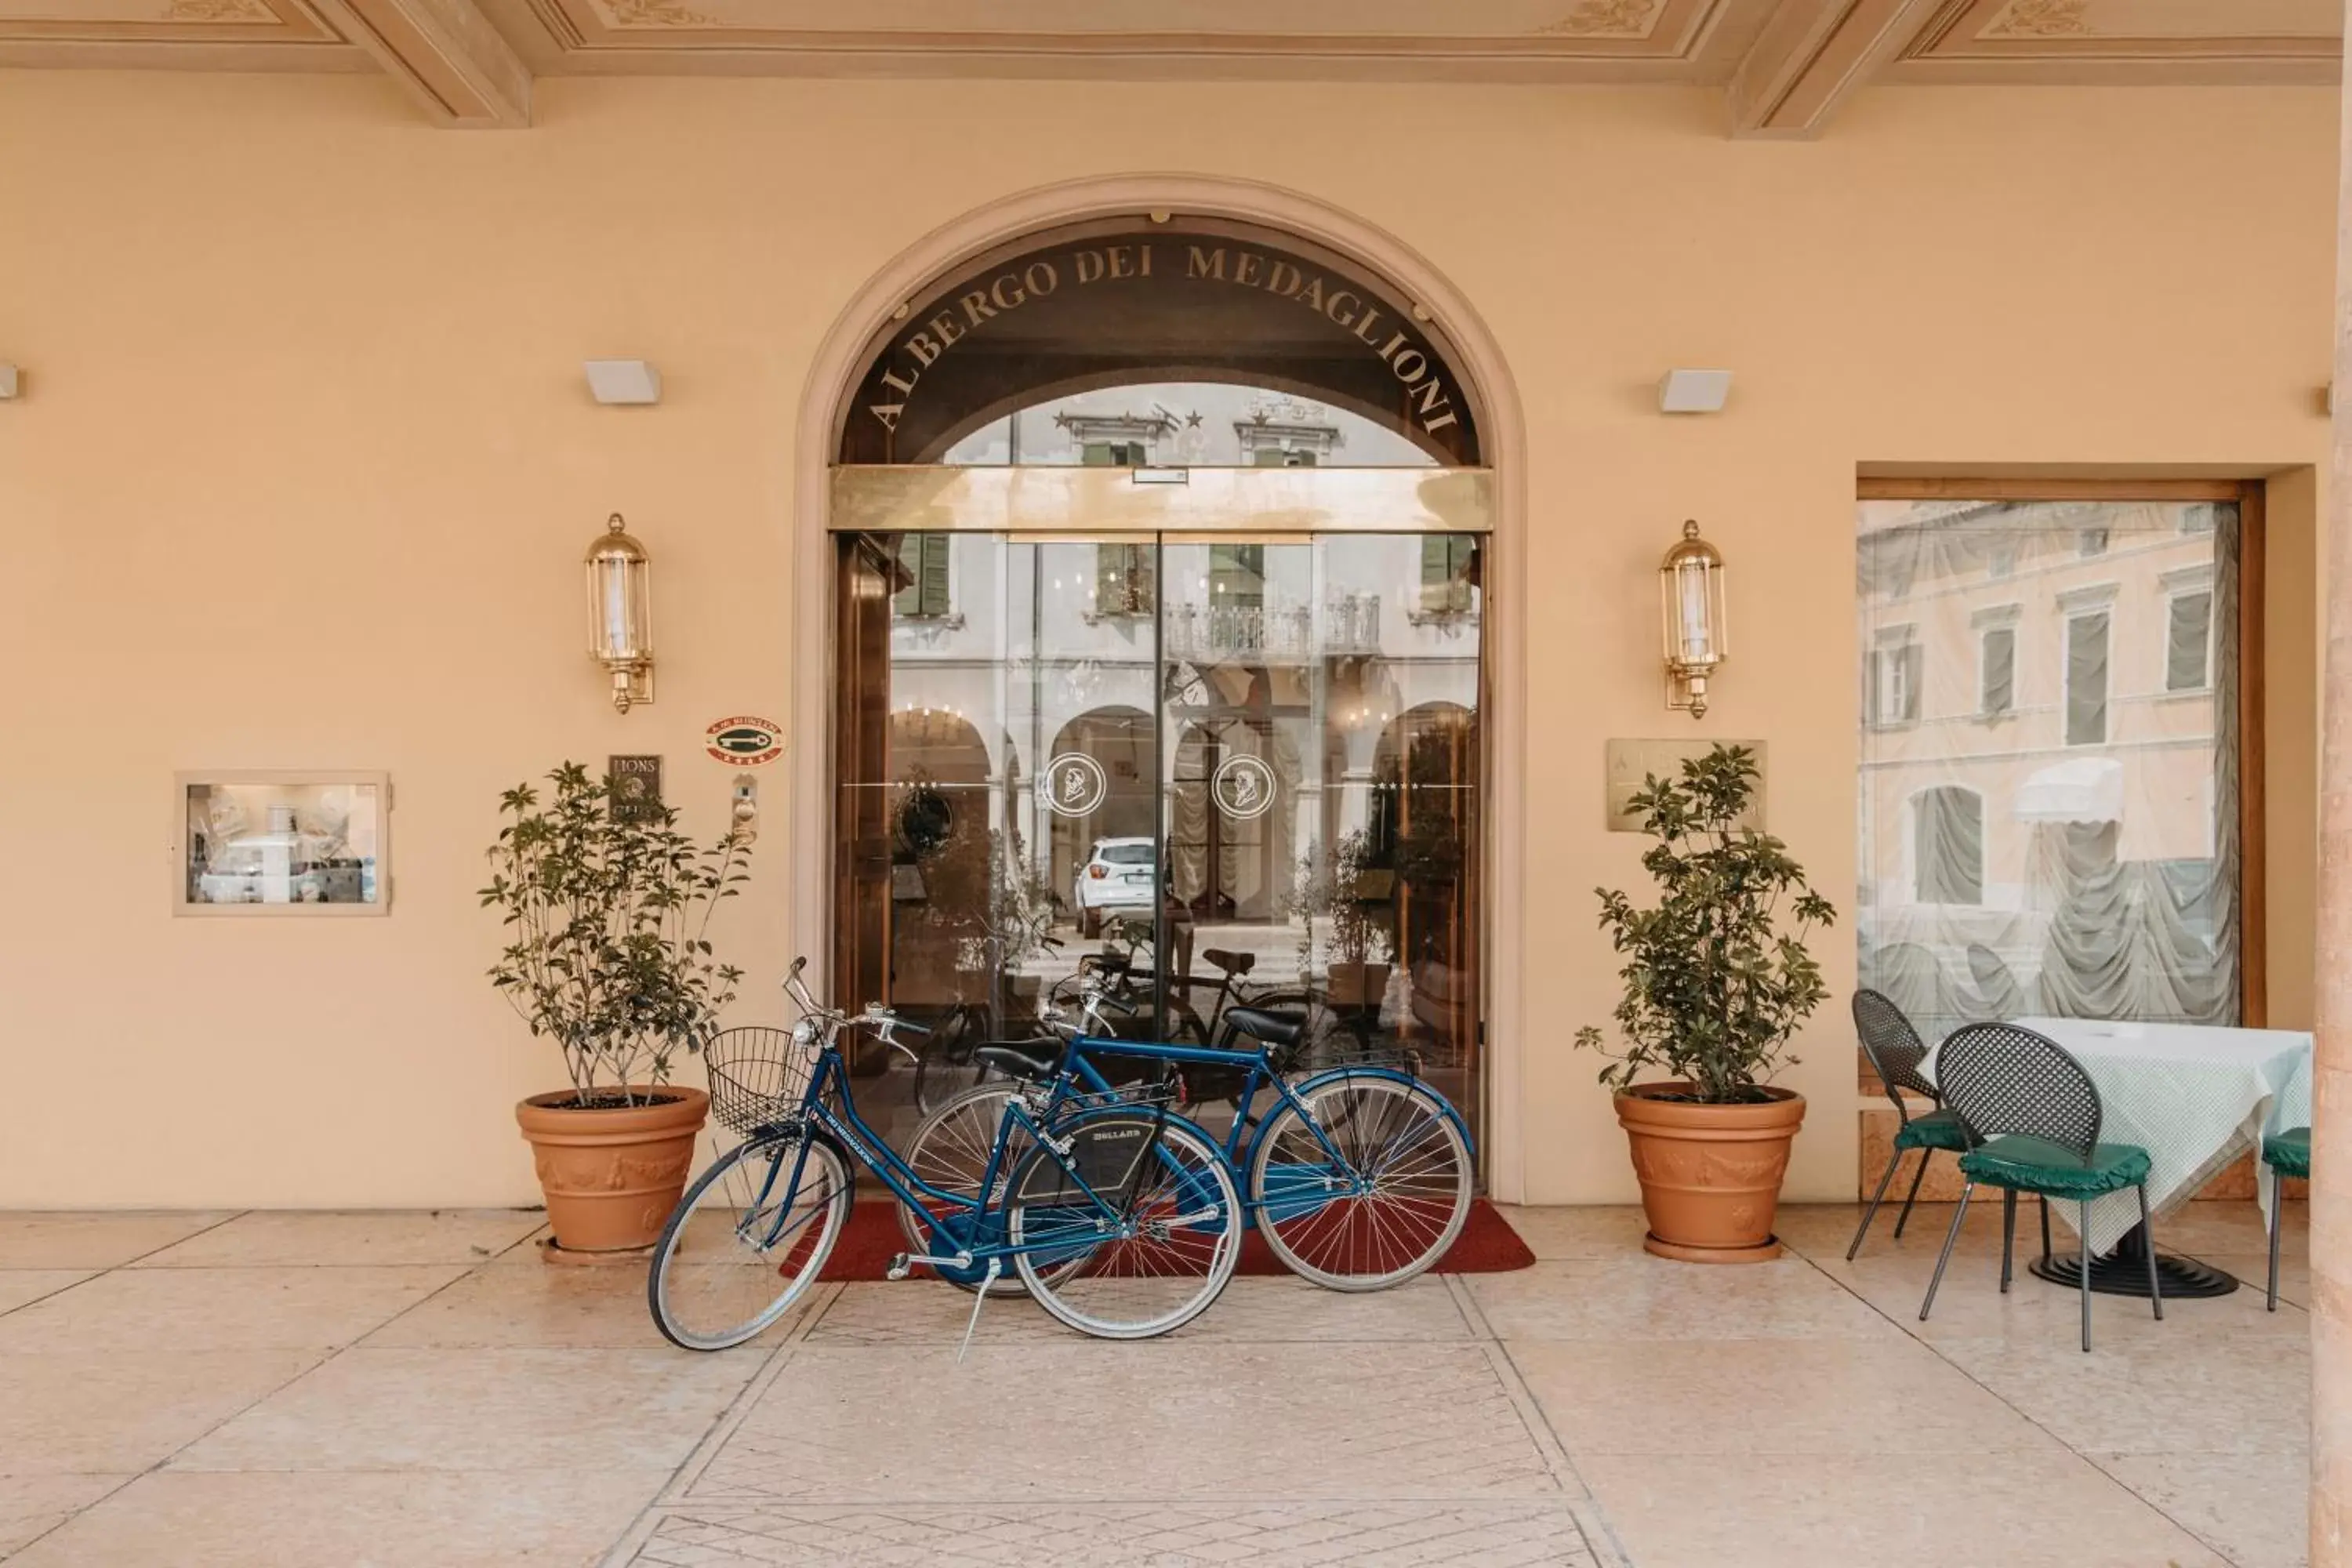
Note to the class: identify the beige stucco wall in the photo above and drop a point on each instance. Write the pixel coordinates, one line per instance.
(305, 465)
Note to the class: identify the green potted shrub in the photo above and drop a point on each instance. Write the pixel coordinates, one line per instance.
(1714, 990)
(608, 954)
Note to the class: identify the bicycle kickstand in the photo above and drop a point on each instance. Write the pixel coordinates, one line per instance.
(980, 1300)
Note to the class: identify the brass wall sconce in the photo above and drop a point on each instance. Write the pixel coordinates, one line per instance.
(1690, 589)
(620, 614)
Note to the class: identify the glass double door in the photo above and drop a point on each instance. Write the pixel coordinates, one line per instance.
(1223, 771)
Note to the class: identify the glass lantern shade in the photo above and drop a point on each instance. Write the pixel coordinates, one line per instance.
(620, 613)
(1691, 595)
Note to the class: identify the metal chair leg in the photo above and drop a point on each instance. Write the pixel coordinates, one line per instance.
(2278, 1208)
(2085, 1272)
(2008, 1233)
(1871, 1213)
(1912, 1196)
(1945, 1256)
(2155, 1285)
(2045, 1232)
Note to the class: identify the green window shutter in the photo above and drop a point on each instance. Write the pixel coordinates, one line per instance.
(932, 584)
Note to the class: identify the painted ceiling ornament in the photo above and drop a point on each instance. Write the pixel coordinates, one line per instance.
(2042, 19)
(219, 11)
(1615, 18)
(657, 14)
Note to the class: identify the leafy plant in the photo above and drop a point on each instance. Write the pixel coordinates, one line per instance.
(609, 918)
(1332, 886)
(1713, 988)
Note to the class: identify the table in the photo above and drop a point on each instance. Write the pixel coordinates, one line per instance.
(2195, 1099)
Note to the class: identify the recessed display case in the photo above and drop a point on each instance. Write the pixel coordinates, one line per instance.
(297, 842)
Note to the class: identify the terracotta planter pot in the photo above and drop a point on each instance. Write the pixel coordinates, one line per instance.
(613, 1176)
(1710, 1175)
(1357, 984)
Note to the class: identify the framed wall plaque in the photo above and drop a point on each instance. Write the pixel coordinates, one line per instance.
(281, 842)
(636, 785)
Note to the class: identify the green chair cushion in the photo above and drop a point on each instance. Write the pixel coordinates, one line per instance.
(1935, 1129)
(2038, 1165)
(2289, 1153)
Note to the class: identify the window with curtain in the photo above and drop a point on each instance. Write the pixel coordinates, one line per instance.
(1445, 573)
(2086, 679)
(923, 562)
(1997, 672)
(2080, 857)
(2188, 642)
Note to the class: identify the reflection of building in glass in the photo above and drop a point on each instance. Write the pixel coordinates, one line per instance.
(2048, 791)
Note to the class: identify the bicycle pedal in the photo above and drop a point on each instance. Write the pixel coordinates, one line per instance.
(899, 1268)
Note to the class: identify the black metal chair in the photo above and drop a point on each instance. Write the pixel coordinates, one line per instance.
(2288, 1154)
(2032, 1116)
(1895, 1051)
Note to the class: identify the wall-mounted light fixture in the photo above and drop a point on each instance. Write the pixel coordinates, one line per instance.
(8, 381)
(1690, 588)
(620, 614)
(1694, 391)
(622, 380)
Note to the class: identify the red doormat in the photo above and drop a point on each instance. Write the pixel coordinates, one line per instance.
(1487, 1245)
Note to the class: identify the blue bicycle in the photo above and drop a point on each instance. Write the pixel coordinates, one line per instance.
(1360, 1175)
(1116, 1214)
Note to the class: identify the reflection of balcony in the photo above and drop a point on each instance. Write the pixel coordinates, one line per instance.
(1221, 633)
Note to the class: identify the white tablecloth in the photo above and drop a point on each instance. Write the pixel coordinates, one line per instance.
(2193, 1098)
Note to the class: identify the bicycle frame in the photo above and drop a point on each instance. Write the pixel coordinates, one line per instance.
(829, 1103)
(1077, 1067)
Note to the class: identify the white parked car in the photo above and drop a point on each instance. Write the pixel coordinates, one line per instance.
(1117, 877)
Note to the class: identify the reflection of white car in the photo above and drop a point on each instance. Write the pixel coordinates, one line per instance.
(1117, 877)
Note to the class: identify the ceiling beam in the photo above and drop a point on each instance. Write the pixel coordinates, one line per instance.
(446, 52)
(1812, 55)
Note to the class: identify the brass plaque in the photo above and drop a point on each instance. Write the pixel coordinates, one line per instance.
(636, 786)
(1630, 761)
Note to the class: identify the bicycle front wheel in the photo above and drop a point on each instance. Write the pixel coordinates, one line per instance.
(747, 1241)
(1365, 1189)
(1145, 1250)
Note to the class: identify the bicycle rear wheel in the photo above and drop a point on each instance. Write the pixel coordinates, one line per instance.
(1150, 1249)
(1369, 1192)
(747, 1241)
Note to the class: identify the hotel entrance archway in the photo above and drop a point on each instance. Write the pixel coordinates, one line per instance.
(1281, 449)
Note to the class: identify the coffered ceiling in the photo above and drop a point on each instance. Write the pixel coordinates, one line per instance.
(1784, 65)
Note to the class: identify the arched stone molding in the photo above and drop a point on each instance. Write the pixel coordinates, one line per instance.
(833, 375)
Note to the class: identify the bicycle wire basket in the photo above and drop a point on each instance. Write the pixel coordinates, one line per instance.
(757, 1075)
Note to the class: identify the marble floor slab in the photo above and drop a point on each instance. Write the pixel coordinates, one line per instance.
(358, 1390)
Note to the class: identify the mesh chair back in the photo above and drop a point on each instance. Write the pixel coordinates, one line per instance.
(2001, 1078)
(1894, 1047)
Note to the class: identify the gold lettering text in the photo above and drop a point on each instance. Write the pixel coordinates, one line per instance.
(1363, 327)
(1147, 260)
(1245, 269)
(1040, 278)
(1441, 421)
(1388, 350)
(1312, 297)
(920, 345)
(1122, 265)
(1344, 315)
(1420, 363)
(1006, 293)
(977, 308)
(945, 325)
(1432, 394)
(887, 412)
(902, 387)
(1090, 265)
(1274, 279)
(1205, 263)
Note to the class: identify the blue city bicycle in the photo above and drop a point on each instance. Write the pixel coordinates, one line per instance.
(1116, 1213)
(1358, 1176)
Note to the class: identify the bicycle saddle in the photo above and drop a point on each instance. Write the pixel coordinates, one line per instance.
(1021, 1059)
(1274, 1028)
(1232, 962)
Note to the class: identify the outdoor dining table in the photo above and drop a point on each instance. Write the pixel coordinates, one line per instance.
(2195, 1098)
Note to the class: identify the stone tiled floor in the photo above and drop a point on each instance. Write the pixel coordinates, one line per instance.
(389, 1389)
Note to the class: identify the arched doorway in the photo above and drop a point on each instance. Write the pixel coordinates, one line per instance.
(1312, 638)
